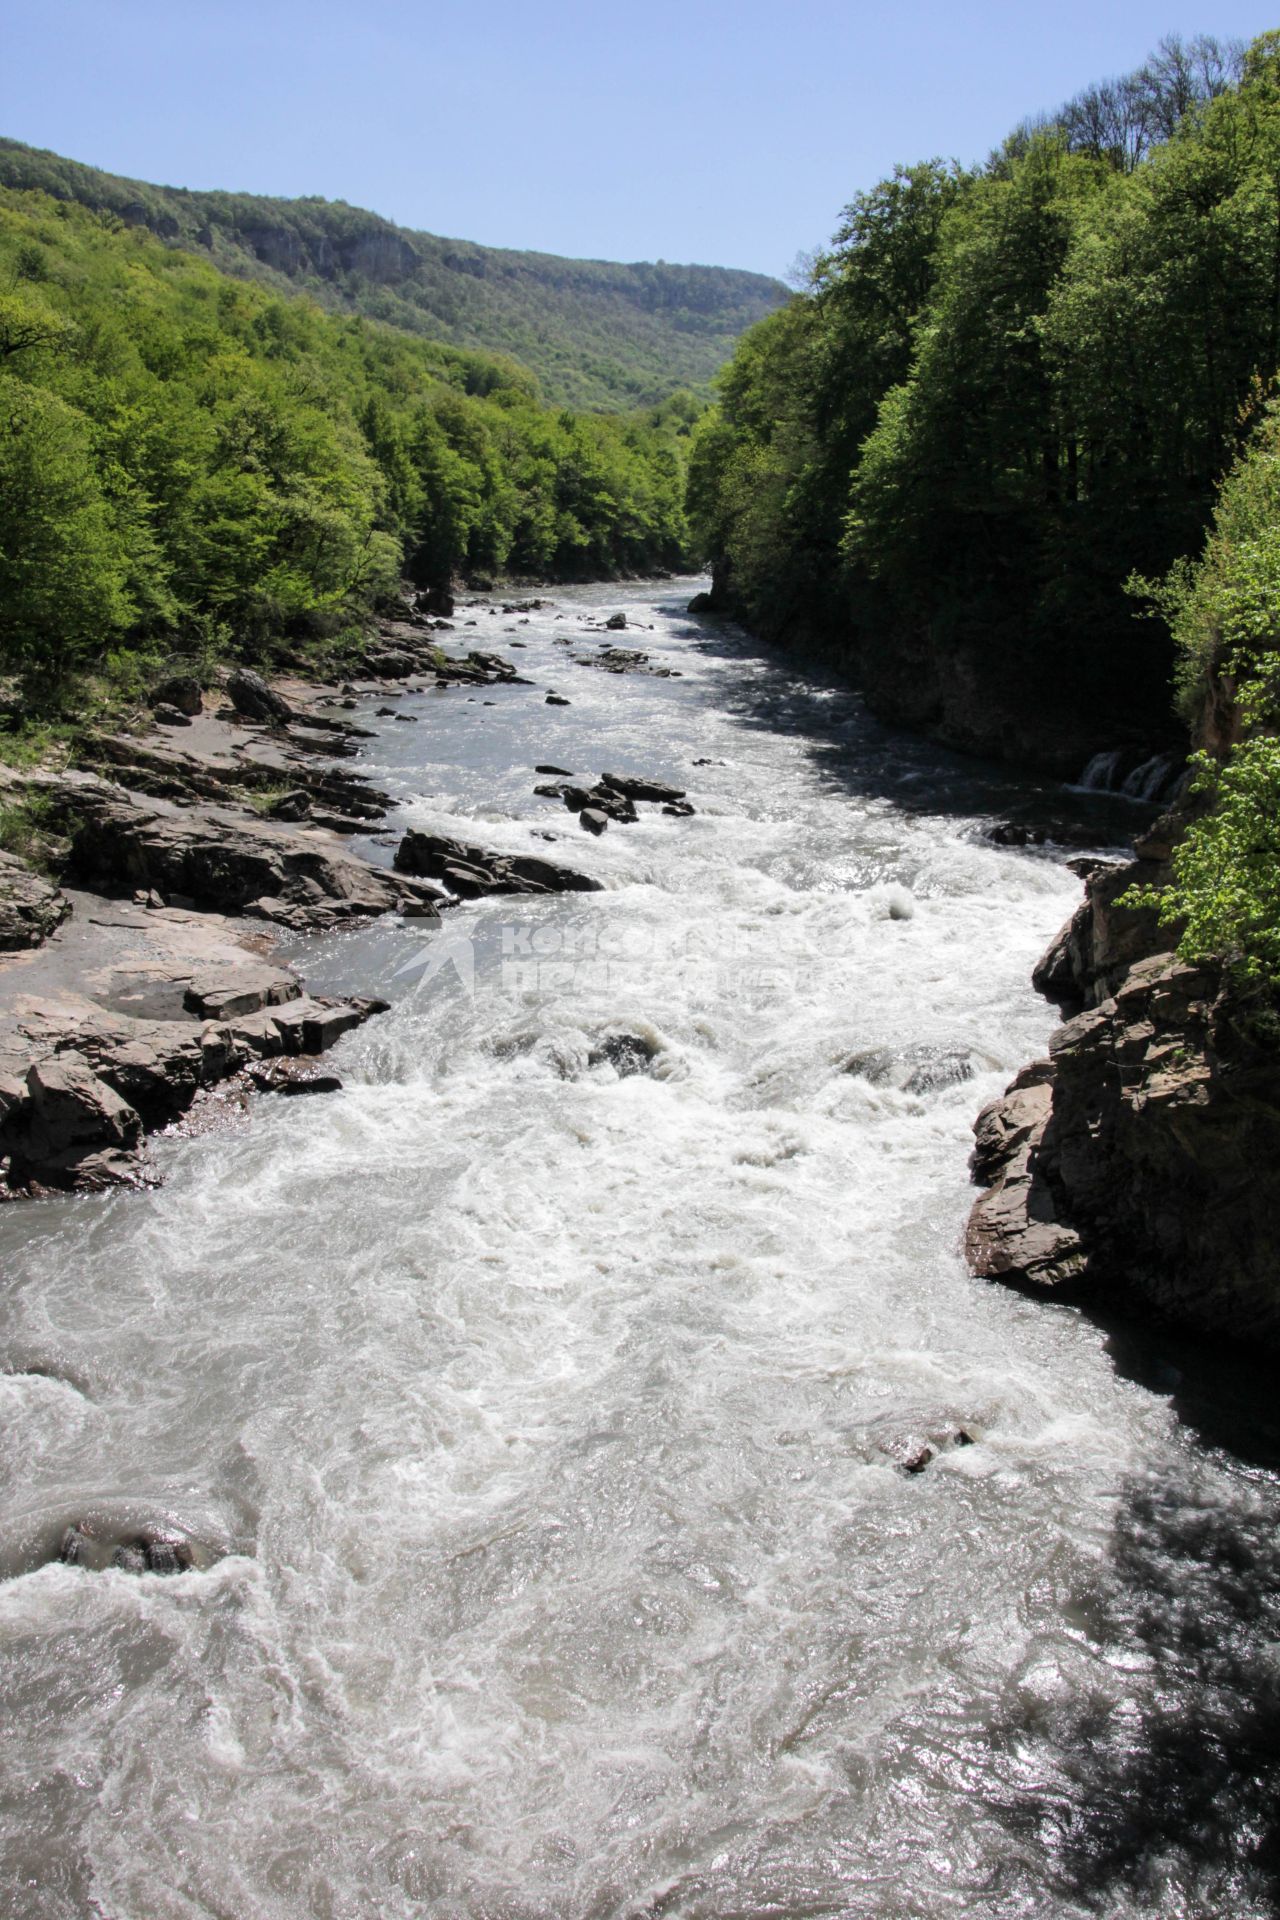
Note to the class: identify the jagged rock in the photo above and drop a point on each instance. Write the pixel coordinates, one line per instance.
(1142, 1162)
(636, 788)
(250, 695)
(221, 859)
(557, 700)
(31, 908)
(168, 716)
(679, 809)
(72, 1130)
(1095, 949)
(470, 871)
(616, 622)
(593, 820)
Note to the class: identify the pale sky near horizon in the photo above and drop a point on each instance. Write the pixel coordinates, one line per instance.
(690, 130)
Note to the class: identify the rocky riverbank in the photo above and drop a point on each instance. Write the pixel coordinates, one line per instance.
(138, 970)
(1138, 1165)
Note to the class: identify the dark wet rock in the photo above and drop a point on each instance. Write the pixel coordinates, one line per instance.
(384, 713)
(626, 1053)
(181, 691)
(410, 718)
(621, 660)
(31, 907)
(557, 700)
(921, 1069)
(250, 695)
(678, 809)
(291, 1078)
(937, 1068)
(616, 622)
(635, 787)
(564, 772)
(472, 872)
(873, 1064)
(552, 790)
(593, 820)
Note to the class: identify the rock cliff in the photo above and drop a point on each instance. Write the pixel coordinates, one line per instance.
(1139, 1164)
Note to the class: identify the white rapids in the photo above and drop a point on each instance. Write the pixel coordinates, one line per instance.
(548, 1419)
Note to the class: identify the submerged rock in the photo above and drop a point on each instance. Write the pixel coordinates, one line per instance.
(626, 1053)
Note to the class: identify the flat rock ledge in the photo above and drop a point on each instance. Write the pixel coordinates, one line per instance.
(217, 858)
(119, 1025)
(1139, 1165)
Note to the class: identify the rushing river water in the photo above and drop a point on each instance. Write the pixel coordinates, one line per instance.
(550, 1418)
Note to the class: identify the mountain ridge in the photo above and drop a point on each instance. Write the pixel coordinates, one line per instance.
(603, 335)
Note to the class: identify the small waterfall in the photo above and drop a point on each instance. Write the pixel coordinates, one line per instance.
(1100, 774)
(1154, 778)
(1126, 770)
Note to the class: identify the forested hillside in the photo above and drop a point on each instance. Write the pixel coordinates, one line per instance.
(1007, 391)
(189, 460)
(598, 335)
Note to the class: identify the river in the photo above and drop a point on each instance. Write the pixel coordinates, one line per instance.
(549, 1418)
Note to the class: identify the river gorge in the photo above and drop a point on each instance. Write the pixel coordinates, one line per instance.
(617, 1499)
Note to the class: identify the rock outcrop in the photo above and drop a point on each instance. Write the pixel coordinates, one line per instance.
(122, 1022)
(471, 872)
(217, 858)
(30, 906)
(1139, 1165)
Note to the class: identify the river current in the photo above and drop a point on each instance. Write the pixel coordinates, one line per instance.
(548, 1394)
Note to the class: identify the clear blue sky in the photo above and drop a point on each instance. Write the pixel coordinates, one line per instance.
(677, 129)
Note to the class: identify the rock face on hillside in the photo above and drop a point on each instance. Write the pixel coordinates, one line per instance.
(1139, 1165)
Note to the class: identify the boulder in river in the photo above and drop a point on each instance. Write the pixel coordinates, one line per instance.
(593, 820)
(636, 787)
(616, 623)
(31, 907)
(472, 872)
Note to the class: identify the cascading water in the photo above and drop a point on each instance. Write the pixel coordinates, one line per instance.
(1157, 778)
(560, 1397)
